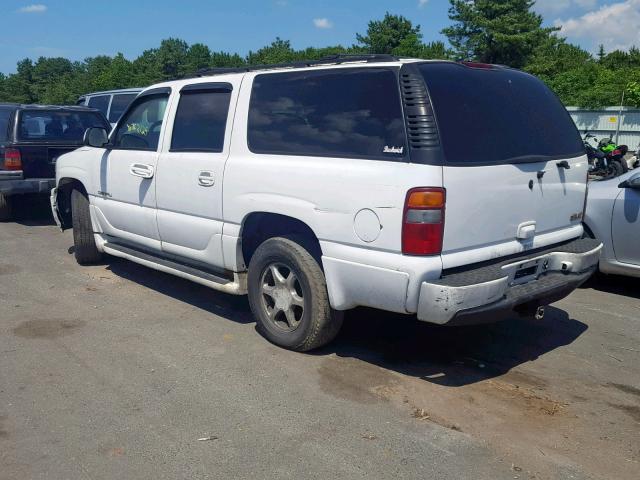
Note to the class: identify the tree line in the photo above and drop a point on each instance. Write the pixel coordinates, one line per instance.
(506, 32)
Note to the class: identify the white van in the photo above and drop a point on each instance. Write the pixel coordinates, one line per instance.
(451, 191)
(112, 103)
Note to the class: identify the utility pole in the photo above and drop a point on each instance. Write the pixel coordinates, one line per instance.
(619, 117)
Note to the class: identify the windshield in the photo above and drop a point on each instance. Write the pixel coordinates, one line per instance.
(498, 115)
(57, 126)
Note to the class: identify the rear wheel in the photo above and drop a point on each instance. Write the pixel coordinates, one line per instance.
(5, 208)
(84, 242)
(288, 296)
(614, 169)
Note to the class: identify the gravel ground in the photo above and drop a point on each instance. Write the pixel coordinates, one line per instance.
(118, 371)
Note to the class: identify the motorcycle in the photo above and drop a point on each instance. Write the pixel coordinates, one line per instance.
(614, 152)
(601, 164)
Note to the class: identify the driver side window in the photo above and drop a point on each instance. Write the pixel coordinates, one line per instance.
(140, 128)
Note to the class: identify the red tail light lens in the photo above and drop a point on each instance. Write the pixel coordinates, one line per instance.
(423, 221)
(12, 159)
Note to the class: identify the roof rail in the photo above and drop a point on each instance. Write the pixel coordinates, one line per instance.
(328, 60)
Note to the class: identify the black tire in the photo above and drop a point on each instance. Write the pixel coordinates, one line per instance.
(84, 243)
(614, 170)
(318, 323)
(5, 208)
(623, 164)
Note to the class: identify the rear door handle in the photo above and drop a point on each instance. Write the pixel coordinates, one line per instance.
(206, 178)
(141, 170)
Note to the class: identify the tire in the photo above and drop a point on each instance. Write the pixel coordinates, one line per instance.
(5, 208)
(614, 170)
(623, 164)
(84, 243)
(296, 313)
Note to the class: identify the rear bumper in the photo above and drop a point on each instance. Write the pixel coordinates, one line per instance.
(17, 186)
(491, 292)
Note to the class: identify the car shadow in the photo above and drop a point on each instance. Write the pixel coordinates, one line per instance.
(231, 307)
(451, 356)
(447, 356)
(616, 284)
(32, 210)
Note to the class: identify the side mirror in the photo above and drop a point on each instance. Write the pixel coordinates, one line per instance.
(96, 137)
(633, 182)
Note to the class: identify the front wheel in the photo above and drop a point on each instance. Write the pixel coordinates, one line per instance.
(288, 296)
(84, 242)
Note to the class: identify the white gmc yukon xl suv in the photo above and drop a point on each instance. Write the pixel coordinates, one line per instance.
(452, 191)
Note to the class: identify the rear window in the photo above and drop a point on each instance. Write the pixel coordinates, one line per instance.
(119, 104)
(100, 102)
(57, 126)
(352, 113)
(494, 116)
(5, 114)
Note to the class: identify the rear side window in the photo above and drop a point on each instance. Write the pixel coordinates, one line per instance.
(200, 121)
(119, 104)
(353, 113)
(100, 102)
(5, 115)
(494, 116)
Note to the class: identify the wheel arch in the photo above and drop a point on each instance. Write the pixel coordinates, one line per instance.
(66, 185)
(256, 227)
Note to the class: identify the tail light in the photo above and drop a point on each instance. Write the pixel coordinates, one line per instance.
(617, 152)
(12, 159)
(423, 221)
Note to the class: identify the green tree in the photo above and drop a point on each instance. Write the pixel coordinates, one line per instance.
(495, 31)
(171, 58)
(198, 57)
(554, 56)
(280, 51)
(391, 33)
(633, 94)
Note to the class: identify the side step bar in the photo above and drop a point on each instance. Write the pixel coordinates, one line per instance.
(237, 286)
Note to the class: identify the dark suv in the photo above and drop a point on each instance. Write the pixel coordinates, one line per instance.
(32, 137)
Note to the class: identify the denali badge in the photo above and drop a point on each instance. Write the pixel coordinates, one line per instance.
(388, 149)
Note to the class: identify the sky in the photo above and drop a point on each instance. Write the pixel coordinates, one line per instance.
(77, 29)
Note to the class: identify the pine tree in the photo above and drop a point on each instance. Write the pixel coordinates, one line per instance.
(495, 31)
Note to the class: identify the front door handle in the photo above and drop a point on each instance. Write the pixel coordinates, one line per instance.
(206, 178)
(141, 170)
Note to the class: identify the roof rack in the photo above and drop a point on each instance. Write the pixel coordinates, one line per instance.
(328, 60)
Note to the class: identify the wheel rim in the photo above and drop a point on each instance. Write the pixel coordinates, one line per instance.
(282, 296)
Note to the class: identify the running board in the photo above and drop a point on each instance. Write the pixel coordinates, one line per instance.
(237, 286)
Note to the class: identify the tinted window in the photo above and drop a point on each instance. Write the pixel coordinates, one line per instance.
(119, 104)
(342, 113)
(200, 121)
(5, 114)
(101, 102)
(498, 116)
(57, 126)
(140, 129)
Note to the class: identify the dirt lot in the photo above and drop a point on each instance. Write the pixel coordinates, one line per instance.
(118, 371)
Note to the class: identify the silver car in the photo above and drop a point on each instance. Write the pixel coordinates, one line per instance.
(613, 216)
